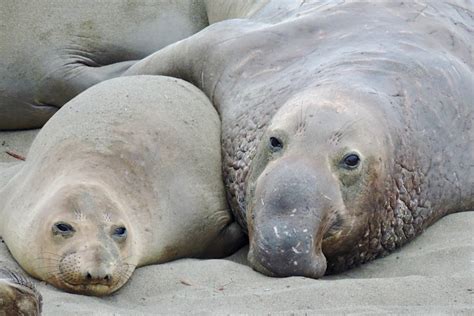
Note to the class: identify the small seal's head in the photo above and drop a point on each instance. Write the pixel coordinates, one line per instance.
(83, 240)
(18, 295)
(312, 183)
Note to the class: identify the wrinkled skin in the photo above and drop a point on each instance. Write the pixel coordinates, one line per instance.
(389, 82)
(126, 174)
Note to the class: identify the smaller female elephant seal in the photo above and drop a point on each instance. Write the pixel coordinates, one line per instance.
(18, 295)
(126, 174)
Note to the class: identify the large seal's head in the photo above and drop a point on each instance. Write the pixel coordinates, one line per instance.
(81, 239)
(18, 295)
(312, 185)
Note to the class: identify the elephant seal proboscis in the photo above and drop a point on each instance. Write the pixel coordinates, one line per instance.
(50, 50)
(18, 295)
(346, 126)
(126, 174)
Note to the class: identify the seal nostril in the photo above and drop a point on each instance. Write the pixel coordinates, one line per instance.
(107, 277)
(89, 276)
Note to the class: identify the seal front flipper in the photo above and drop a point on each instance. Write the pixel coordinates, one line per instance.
(18, 295)
(71, 78)
(230, 239)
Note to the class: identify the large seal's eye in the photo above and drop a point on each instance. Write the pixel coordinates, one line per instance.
(62, 228)
(275, 144)
(120, 232)
(351, 161)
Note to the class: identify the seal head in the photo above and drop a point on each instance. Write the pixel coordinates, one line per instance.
(87, 241)
(313, 182)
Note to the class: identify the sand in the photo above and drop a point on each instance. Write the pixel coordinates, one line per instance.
(434, 274)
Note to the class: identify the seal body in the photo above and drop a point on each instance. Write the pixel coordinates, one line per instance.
(52, 50)
(126, 174)
(18, 295)
(346, 127)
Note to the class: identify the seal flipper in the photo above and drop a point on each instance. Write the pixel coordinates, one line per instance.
(17, 278)
(230, 239)
(65, 82)
(18, 295)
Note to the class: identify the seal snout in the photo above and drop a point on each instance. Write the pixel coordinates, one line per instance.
(288, 220)
(98, 276)
(92, 271)
(294, 256)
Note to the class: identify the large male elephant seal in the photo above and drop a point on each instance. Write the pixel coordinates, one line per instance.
(50, 50)
(347, 126)
(126, 174)
(18, 295)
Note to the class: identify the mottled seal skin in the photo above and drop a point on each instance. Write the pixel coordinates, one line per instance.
(52, 50)
(18, 295)
(126, 174)
(346, 126)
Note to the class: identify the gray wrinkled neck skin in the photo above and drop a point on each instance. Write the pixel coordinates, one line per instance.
(414, 57)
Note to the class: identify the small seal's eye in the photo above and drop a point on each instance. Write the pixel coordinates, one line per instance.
(120, 232)
(275, 144)
(351, 161)
(63, 228)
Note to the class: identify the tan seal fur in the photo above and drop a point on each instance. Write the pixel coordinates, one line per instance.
(127, 174)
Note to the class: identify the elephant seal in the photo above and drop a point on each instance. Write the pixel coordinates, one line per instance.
(346, 126)
(52, 50)
(18, 295)
(126, 174)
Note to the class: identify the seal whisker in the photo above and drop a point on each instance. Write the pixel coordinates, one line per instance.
(126, 258)
(47, 266)
(49, 259)
(123, 276)
(51, 253)
(125, 271)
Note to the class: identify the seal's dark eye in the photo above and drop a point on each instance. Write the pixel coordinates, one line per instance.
(351, 161)
(62, 228)
(275, 144)
(120, 231)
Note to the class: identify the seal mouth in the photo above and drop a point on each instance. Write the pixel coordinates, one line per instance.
(89, 289)
(256, 265)
(74, 279)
